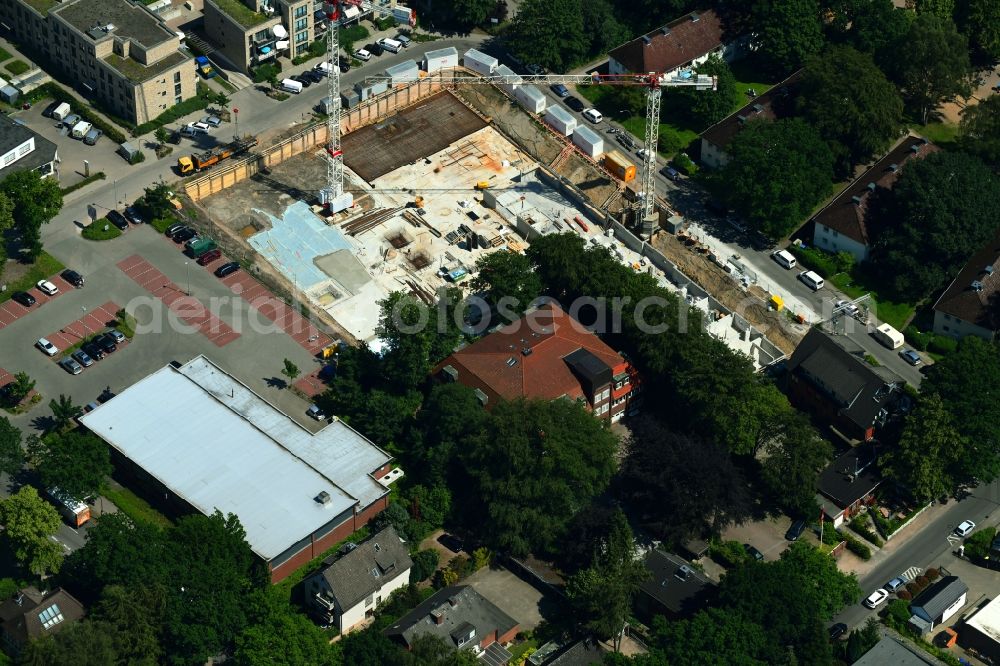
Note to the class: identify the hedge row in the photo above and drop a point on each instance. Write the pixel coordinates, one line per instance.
(858, 547)
(939, 344)
(83, 183)
(860, 525)
(824, 263)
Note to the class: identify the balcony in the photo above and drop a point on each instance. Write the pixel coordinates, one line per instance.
(264, 50)
(325, 603)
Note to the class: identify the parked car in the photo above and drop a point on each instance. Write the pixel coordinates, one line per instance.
(593, 115)
(363, 55)
(312, 75)
(117, 219)
(626, 140)
(47, 113)
(910, 356)
(47, 347)
(345, 64)
(753, 552)
(227, 269)
(403, 39)
(24, 298)
(93, 350)
(173, 229)
(641, 153)
(209, 257)
(375, 49)
(850, 309)
(71, 366)
(837, 630)
(132, 215)
(92, 136)
(559, 89)
(671, 173)
(70, 120)
(106, 343)
(72, 277)
(876, 598)
(212, 121)
(574, 103)
(117, 335)
(47, 287)
(795, 531)
(316, 413)
(301, 78)
(965, 528)
(83, 358)
(184, 235)
(894, 584)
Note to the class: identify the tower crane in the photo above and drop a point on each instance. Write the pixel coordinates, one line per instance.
(333, 196)
(652, 81)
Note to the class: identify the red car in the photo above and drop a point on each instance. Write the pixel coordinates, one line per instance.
(209, 257)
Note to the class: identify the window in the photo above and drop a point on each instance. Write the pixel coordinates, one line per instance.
(177, 89)
(368, 601)
(178, 99)
(8, 158)
(302, 24)
(301, 11)
(177, 77)
(302, 37)
(24, 150)
(50, 617)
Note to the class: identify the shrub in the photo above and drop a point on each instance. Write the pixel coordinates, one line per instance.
(903, 594)
(266, 72)
(932, 574)
(668, 141)
(897, 613)
(728, 553)
(684, 164)
(916, 338)
(17, 67)
(424, 565)
(913, 589)
(977, 546)
(857, 547)
(138, 157)
(100, 230)
(8, 588)
(942, 344)
(161, 224)
(860, 525)
(83, 183)
(922, 582)
(818, 260)
(872, 361)
(481, 557)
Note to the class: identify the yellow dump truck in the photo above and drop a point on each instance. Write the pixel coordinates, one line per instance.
(191, 163)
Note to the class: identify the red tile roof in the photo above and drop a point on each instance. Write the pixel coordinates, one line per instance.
(526, 358)
(972, 295)
(678, 43)
(775, 104)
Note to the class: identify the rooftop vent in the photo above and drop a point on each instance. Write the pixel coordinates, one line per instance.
(694, 17)
(871, 187)
(758, 108)
(323, 498)
(856, 200)
(924, 141)
(665, 30)
(977, 285)
(526, 351)
(683, 572)
(915, 148)
(482, 397)
(894, 168)
(450, 372)
(511, 362)
(646, 40)
(741, 118)
(988, 270)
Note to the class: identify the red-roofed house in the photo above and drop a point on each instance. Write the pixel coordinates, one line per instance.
(545, 355)
(682, 43)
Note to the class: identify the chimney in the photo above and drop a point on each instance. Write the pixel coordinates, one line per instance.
(915, 148)
(988, 270)
(438, 616)
(323, 498)
(856, 200)
(894, 168)
(646, 40)
(453, 601)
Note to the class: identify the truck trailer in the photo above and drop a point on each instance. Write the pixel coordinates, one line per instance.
(191, 163)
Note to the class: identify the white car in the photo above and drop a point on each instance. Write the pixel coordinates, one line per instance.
(593, 115)
(876, 598)
(641, 153)
(362, 54)
(47, 287)
(850, 309)
(47, 347)
(965, 528)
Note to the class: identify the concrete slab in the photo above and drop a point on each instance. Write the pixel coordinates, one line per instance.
(510, 594)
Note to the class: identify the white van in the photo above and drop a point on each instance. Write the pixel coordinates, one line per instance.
(785, 258)
(812, 280)
(289, 85)
(390, 45)
(888, 336)
(61, 111)
(80, 129)
(593, 115)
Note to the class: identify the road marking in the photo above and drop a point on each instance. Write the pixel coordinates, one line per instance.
(953, 539)
(912, 573)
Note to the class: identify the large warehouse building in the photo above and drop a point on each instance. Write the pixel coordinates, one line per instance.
(201, 440)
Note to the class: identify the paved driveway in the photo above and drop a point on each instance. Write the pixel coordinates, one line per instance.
(512, 595)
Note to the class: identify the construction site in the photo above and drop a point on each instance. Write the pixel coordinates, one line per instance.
(439, 176)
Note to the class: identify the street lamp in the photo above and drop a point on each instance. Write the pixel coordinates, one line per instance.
(187, 275)
(83, 319)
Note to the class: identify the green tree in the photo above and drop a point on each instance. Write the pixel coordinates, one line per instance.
(602, 594)
(792, 462)
(715, 636)
(786, 32)
(777, 173)
(19, 389)
(75, 462)
(942, 9)
(979, 20)
(162, 135)
(852, 105)
(416, 337)
(708, 108)
(869, 25)
(290, 370)
(35, 200)
(11, 453)
(939, 213)
(550, 33)
(29, 523)
(540, 463)
(930, 64)
(924, 461)
(451, 419)
(980, 133)
(90, 643)
(509, 282)
(468, 13)
(863, 639)
(64, 411)
(155, 202)
(135, 614)
(283, 639)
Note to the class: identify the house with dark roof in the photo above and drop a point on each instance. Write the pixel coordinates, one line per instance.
(349, 588)
(936, 604)
(32, 614)
(898, 651)
(971, 303)
(674, 589)
(21, 149)
(681, 44)
(463, 619)
(828, 375)
(849, 483)
(545, 355)
(775, 104)
(842, 225)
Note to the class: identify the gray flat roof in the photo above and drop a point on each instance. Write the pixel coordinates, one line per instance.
(129, 21)
(891, 650)
(219, 445)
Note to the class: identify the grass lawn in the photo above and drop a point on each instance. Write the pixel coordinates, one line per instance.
(44, 267)
(4, 55)
(136, 508)
(942, 134)
(101, 230)
(896, 315)
(17, 67)
(598, 96)
(749, 74)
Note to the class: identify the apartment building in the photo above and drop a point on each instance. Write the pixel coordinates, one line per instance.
(253, 32)
(115, 51)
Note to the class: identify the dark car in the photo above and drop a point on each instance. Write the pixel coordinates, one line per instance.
(106, 343)
(50, 108)
(209, 257)
(626, 140)
(72, 277)
(753, 552)
(574, 103)
(559, 89)
(24, 298)
(93, 350)
(837, 630)
(304, 80)
(374, 49)
(795, 531)
(173, 229)
(117, 219)
(345, 64)
(227, 269)
(132, 214)
(184, 235)
(671, 173)
(312, 75)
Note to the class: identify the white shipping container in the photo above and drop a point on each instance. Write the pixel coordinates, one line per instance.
(589, 141)
(509, 88)
(405, 72)
(560, 120)
(440, 59)
(530, 98)
(480, 62)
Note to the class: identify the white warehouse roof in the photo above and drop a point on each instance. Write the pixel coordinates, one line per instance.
(218, 445)
(987, 620)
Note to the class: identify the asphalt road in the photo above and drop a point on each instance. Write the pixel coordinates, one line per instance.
(928, 547)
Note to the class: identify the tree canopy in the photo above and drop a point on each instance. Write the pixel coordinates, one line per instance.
(29, 523)
(35, 201)
(940, 212)
(777, 173)
(979, 20)
(705, 108)
(787, 32)
(508, 280)
(11, 453)
(75, 462)
(550, 33)
(852, 105)
(869, 25)
(980, 133)
(924, 461)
